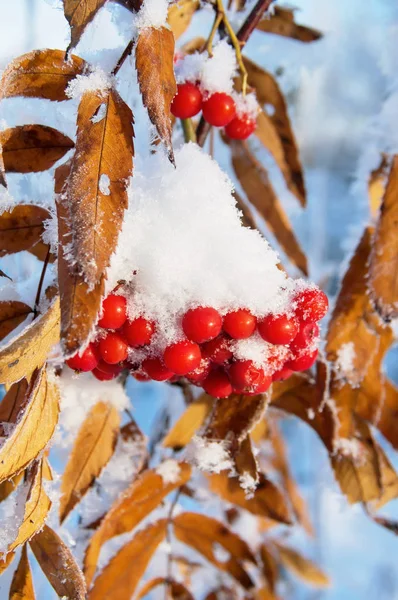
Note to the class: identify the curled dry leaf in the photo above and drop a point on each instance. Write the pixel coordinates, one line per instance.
(30, 349)
(34, 419)
(234, 417)
(267, 500)
(302, 567)
(22, 582)
(21, 228)
(37, 505)
(140, 499)
(154, 57)
(33, 148)
(58, 565)
(79, 13)
(96, 191)
(269, 93)
(190, 421)
(176, 591)
(180, 16)
(118, 579)
(206, 535)
(383, 267)
(257, 186)
(12, 314)
(92, 450)
(281, 22)
(40, 74)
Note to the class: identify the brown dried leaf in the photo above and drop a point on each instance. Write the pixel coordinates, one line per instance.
(269, 93)
(176, 591)
(143, 495)
(190, 421)
(2, 274)
(32, 148)
(35, 419)
(40, 74)
(92, 450)
(180, 16)
(205, 535)
(12, 314)
(104, 148)
(79, 13)
(30, 349)
(5, 561)
(21, 228)
(256, 184)
(270, 566)
(58, 565)
(22, 582)
(383, 267)
(118, 579)
(245, 462)
(154, 57)
(267, 500)
(37, 505)
(302, 567)
(234, 417)
(41, 251)
(281, 22)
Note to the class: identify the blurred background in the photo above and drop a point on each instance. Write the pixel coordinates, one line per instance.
(343, 101)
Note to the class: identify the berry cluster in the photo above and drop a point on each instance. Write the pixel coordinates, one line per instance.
(218, 109)
(207, 356)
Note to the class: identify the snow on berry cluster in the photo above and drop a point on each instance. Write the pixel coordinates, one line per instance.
(205, 83)
(199, 296)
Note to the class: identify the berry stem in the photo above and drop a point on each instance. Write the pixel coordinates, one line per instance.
(126, 52)
(40, 286)
(189, 131)
(216, 24)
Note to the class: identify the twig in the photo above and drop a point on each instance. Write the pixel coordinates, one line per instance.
(40, 286)
(126, 52)
(216, 24)
(189, 131)
(168, 538)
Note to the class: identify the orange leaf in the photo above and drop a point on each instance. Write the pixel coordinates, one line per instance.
(270, 566)
(79, 13)
(281, 22)
(92, 450)
(22, 582)
(155, 68)
(234, 417)
(176, 590)
(12, 314)
(21, 228)
(33, 148)
(58, 564)
(118, 579)
(40, 74)
(377, 185)
(302, 567)
(190, 421)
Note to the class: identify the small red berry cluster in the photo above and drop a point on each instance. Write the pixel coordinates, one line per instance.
(207, 357)
(218, 109)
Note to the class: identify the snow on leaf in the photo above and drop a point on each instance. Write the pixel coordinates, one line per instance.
(12, 314)
(302, 567)
(32, 148)
(154, 63)
(211, 456)
(103, 147)
(58, 565)
(79, 13)
(180, 16)
(22, 582)
(21, 228)
(257, 186)
(40, 74)
(169, 470)
(35, 418)
(140, 498)
(189, 423)
(92, 450)
(383, 267)
(118, 579)
(201, 533)
(30, 349)
(281, 22)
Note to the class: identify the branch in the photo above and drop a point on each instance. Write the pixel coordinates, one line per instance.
(126, 52)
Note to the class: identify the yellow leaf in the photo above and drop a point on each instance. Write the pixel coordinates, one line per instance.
(180, 16)
(377, 185)
(190, 421)
(302, 567)
(22, 582)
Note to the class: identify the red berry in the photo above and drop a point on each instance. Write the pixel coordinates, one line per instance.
(182, 357)
(113, 312)
(282, 374)
(308, 332)
(217, 350)
(110, 369)
(217, 384)
(245, 376)
(201, 324)
(140, 376)
(113, 349)
(156, 370)
(312, 305)
(263, 387)
(240, 128)
(87, 361)
(239, 324)
(101, 376)
(200, 374)
(302, 362)
(138, 332)
(187, 102)
(278, 329)
(219, 109)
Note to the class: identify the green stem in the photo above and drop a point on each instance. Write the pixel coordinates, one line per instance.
(189, 132)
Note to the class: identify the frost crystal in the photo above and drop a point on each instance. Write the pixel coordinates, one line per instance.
(248, 484)
(207, 455)
(169, 470)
